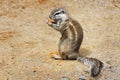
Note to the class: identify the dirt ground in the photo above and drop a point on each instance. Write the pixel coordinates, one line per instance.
(27, 43)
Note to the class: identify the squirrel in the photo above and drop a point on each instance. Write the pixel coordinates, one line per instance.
(71, 39)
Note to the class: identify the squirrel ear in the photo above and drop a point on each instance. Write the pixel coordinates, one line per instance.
(63, 10)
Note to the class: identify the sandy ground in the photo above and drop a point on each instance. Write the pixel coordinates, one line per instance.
(27, 43)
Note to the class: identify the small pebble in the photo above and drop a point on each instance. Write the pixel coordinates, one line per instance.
(65, 78)
(110, 67)
(34, 71)
(82, 77)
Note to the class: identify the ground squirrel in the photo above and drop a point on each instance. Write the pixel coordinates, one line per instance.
(70, 42)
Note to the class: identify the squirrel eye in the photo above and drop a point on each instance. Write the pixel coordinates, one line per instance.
(57, 13)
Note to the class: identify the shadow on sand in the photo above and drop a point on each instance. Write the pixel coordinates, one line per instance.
(84, 52)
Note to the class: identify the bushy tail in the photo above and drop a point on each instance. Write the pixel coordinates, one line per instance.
(94, 64)
(95, 70)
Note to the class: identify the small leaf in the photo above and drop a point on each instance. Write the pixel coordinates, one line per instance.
(108, 62)
(65, 78)
(86, 72)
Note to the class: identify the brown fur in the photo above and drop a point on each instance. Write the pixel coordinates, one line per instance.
(70, 41)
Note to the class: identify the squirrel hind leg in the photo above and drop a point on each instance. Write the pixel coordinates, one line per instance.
(73, 56)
